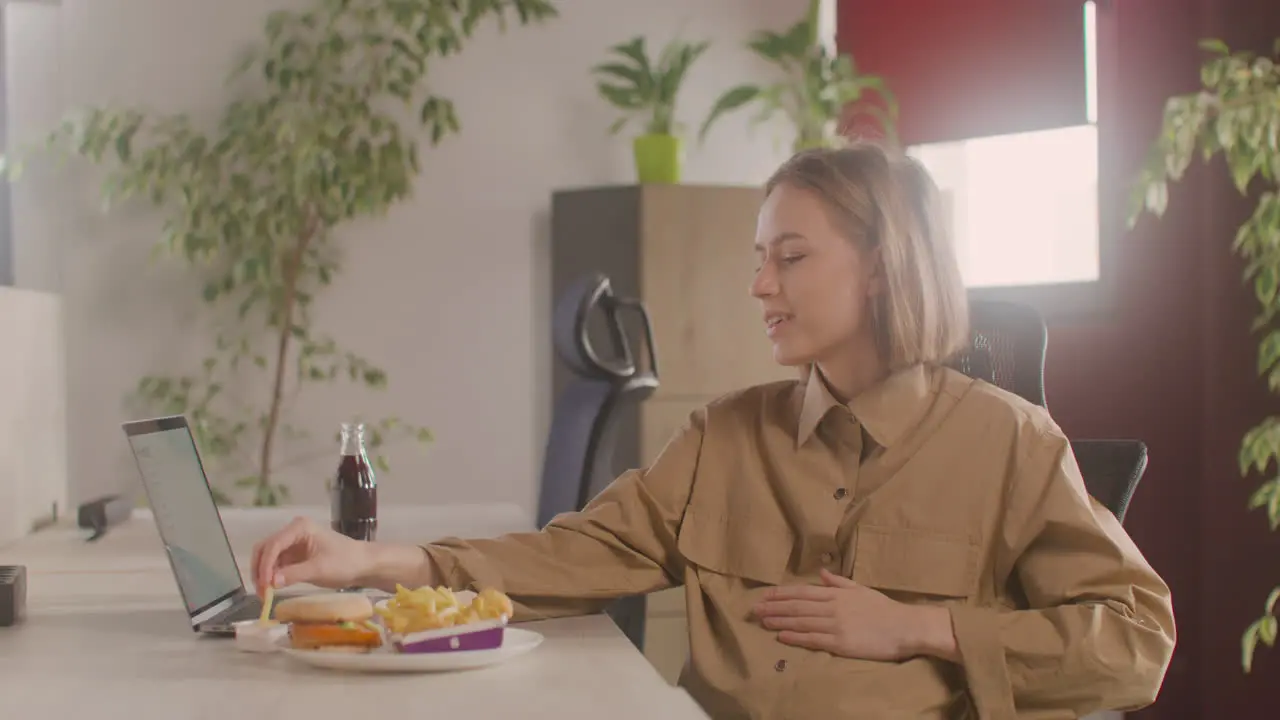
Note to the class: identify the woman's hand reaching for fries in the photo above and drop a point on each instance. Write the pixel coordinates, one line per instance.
(307, 552)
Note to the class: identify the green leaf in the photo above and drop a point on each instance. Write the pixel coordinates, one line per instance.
(124, 143)
(782, 49)
(622, 97)
(1270, 606)
(635, 51)
(1249, 646)
(633, 75)
(1259, 446)
(732, 99)
(1267, 627)
(1269, 348)
(1214, 45)
(1273, 508)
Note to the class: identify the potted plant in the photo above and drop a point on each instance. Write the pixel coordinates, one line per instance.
(647, 90)
(255, 203)
(1236, 114)
(817, 89)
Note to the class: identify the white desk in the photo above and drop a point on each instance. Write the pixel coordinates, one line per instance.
(106, 637)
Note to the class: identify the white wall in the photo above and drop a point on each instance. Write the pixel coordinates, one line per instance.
(33, 468)
(449, 293)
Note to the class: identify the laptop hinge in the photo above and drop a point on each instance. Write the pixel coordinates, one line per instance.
(213, 611)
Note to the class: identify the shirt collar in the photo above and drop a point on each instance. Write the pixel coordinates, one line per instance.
(886, 410)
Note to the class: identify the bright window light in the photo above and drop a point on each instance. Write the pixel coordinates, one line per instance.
(1023, 207)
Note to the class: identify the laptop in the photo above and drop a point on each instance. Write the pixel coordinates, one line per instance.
(190, 526)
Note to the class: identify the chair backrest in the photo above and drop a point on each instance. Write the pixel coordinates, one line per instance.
(578, 455)
(1111, 470)
(1007, 348)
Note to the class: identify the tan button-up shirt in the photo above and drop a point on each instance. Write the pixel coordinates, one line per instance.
(930, 487)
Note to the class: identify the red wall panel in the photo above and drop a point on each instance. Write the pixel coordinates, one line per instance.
(969, 68)
(1172, 361)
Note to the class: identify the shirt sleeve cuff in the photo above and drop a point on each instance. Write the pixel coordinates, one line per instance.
(977, 633)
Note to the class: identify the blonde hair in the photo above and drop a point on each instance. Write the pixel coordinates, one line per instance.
(888, 201)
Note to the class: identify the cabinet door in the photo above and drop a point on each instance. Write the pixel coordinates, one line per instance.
(697, 263)
(660, 418)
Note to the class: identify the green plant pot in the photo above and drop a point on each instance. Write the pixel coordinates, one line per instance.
(659, 158)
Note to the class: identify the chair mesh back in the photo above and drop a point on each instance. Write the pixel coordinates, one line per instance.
(1111, 470)
(1007, 348)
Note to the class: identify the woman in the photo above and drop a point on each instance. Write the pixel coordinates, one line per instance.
(882, 538)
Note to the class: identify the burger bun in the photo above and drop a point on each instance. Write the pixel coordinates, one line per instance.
(324, 608)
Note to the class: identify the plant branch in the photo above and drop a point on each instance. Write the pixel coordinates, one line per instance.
(291, 271)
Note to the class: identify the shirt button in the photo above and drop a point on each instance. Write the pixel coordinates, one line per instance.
(840, 493)
(827, 558)
(780, 665)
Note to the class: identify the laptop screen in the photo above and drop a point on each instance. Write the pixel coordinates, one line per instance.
(185, 513)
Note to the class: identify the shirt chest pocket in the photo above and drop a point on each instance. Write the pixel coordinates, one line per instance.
(736, 545)
(912, 564)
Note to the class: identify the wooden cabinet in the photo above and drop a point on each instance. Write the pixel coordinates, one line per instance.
(686, 252)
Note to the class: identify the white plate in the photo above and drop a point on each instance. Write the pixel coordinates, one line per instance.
(515, 642)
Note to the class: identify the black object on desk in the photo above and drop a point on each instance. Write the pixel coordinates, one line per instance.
(13, 594)
(102, 514)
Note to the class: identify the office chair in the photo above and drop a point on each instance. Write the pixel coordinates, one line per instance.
(578, 461)
(1008, 348)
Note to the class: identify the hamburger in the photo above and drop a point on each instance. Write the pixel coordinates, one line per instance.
(332, 621)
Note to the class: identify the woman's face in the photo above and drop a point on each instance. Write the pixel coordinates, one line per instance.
(814, 285)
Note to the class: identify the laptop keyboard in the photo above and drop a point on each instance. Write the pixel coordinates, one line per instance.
(249, 610)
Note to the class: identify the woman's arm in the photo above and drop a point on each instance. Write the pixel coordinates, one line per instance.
(623, 543)
(1099, 629)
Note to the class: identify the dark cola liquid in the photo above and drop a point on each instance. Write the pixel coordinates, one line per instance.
(355, 499)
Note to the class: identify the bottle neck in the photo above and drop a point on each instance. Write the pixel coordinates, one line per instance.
(353, 441)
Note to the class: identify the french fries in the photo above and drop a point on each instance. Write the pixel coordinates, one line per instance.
(411, 611)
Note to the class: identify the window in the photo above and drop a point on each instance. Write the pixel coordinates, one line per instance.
(1023, 207)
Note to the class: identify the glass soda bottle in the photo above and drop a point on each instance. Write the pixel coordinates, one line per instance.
(354, 494)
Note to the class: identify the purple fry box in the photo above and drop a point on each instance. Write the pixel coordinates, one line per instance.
(472, 636)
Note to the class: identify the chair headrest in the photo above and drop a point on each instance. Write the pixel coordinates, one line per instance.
(569, 329)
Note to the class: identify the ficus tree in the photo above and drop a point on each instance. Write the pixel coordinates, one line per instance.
(1235, 115)
(330, 112)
